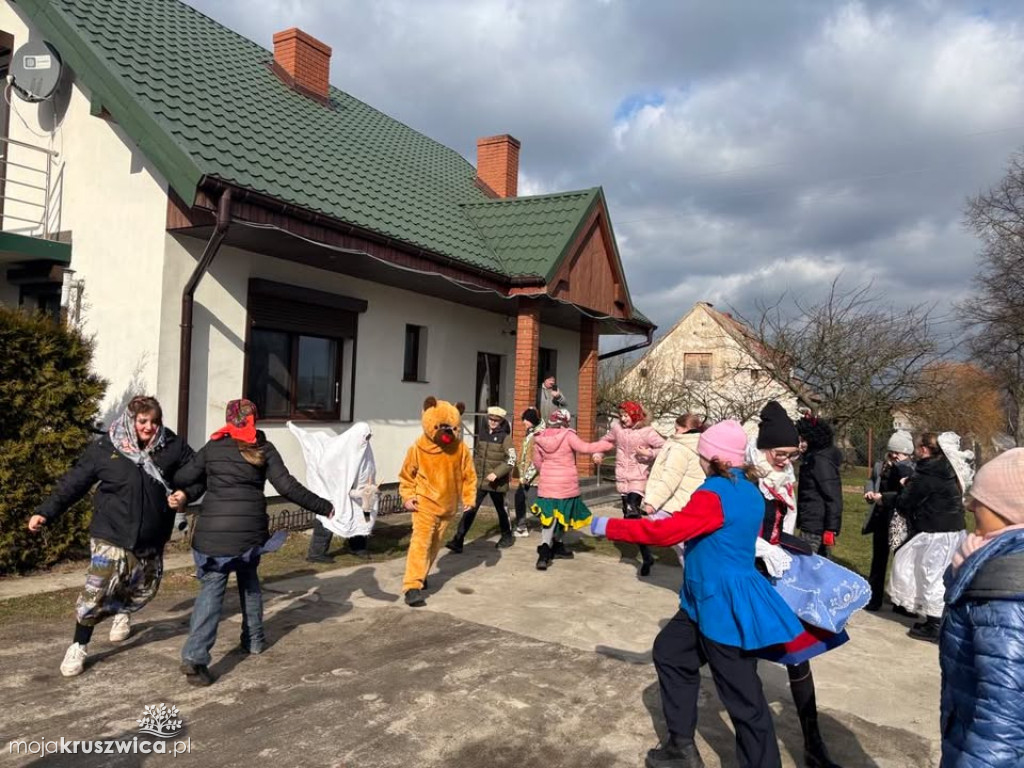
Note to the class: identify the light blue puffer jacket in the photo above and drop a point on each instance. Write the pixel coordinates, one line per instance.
(981, 651)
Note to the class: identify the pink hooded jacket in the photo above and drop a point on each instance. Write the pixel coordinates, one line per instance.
(554, 456)
(631, 472)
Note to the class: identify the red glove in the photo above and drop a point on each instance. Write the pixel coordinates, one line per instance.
(828, 538)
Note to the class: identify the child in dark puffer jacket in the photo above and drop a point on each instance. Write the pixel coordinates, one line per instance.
(981, 644)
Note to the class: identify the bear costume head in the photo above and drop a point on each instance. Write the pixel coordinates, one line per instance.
(442, 422)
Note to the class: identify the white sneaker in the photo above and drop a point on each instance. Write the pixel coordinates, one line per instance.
(120, 628)
(522, 532)
(74, 660)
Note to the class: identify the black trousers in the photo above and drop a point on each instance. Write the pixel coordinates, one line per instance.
(679, 652)
(879, 560)
(320, 541)
(520, 502)
(498, 499)
(632, 504)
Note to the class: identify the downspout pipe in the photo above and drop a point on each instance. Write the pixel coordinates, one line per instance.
(633, 348)
(220, 230)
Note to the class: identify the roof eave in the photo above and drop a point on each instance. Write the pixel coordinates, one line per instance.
(108, 93)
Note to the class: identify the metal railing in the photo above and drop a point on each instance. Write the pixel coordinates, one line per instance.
(29, 189)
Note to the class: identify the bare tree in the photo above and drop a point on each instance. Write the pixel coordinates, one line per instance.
(994, 316)
(960, 397)
(666, 391)
(858, 355)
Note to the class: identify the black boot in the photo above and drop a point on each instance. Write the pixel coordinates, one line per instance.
(815, 753)
(674, 753)
(414, 598)
(196, 674)
(455, 545)
(801, 684)
(929, 630)
(560, 552)
(544, 557)
(647, 561)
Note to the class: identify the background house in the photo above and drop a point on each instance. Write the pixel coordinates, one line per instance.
(709, 363)
(226, 223)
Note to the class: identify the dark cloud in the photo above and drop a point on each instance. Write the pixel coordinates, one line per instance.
(746, 148)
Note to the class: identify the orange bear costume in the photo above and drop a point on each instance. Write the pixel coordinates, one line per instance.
(437, 481)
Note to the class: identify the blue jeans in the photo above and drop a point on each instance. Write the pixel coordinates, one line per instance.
(202, 632)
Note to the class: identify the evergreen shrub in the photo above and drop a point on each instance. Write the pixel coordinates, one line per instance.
(49, 399)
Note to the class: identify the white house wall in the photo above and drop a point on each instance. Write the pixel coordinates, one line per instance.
(455, 334)
(115, 207)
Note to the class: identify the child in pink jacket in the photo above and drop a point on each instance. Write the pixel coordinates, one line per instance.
(558, 494)
(636, 447)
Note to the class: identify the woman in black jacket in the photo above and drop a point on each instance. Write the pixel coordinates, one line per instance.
(882, 491)
(231, 530)
(133, 516)
(819, 491)
(932, 503)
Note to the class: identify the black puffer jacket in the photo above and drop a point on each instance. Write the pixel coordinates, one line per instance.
(233, 517)
(932, 501)
(890, 485)
(819, 494)
(129, 508)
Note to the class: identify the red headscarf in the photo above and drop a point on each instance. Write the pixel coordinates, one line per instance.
(240, 416)
(634, 410)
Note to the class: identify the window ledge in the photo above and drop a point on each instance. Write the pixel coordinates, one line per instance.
(280, 421)
(414, 381)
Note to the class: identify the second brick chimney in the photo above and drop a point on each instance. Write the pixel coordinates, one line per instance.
(497, 163)
(305, 60)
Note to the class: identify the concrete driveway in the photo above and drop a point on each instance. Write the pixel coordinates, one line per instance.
(506, 666)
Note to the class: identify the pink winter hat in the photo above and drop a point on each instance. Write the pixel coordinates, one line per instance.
(725, 441)
(999, 485)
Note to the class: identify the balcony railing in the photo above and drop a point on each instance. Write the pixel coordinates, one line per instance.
(31, 181)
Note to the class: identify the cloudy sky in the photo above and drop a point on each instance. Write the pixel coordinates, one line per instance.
(746, 147)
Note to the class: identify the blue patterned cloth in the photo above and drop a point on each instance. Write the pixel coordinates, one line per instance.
(821, 592)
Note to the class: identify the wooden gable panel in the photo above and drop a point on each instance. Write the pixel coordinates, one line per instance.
(590, 278)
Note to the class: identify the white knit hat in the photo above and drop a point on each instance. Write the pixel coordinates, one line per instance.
(497, 411)
(900, 442)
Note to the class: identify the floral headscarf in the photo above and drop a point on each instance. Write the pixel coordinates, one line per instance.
(240, 421)
(126, 442)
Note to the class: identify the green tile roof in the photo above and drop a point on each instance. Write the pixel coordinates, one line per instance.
(529, 235)
(201, 101)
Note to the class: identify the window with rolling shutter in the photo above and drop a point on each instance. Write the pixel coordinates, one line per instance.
(300, 353)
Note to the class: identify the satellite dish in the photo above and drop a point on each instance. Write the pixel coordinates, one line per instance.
(35, 71)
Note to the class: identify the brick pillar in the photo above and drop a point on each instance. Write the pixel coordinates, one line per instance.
(586, 412)
(526, 363)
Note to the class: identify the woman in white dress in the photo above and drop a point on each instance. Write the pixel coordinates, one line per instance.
(932, 504)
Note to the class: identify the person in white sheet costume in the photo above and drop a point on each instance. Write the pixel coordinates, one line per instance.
(340, 468)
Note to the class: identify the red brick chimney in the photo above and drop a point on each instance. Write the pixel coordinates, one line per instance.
(497, 163)
(305, 60)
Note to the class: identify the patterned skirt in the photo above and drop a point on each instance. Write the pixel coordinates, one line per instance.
(572, 513)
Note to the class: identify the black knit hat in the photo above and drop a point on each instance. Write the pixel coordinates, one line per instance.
(531, 415)
(776, 430)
